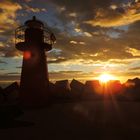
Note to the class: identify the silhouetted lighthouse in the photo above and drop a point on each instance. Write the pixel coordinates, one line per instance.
(33, 39)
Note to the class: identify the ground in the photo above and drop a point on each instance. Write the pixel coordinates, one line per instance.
(107, 120)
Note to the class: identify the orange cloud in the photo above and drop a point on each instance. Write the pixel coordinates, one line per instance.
(116, 17)
(8, 14)
(34, 10)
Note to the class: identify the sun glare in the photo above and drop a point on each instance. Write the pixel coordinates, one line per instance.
(104, 78)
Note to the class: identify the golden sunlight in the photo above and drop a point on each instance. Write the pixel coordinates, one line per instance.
(104, 78)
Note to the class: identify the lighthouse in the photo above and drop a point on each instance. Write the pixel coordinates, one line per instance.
(34, 39)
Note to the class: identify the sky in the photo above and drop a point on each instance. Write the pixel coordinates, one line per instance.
(93, 37)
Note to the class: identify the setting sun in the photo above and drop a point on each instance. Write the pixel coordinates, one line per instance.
(104, 78)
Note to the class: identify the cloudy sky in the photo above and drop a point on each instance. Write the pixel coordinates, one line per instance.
(93, 36)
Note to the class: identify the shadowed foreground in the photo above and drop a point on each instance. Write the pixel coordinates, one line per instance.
(85, 120)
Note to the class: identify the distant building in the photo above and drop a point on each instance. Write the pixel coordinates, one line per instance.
(62, 88)
(77, 88)
(114, 86)
(92, 89)
(133, 82)
(11, 92)
(1, 95)
(132, 90)
(92, 86)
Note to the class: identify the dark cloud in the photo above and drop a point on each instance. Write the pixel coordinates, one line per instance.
(2, 69)
(19, 67)
(70, 75)
(9, 77)
(96, 48)
(69, 72)
(105, 13)
(3, 62)
(12, 73)
(131, 37)
(99, 46)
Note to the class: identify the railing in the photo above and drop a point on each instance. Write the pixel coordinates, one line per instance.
(20, 35)
(49, 36)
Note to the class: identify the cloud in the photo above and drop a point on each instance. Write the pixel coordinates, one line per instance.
(79, 41)
(59, 75)
(27, 0)
(97, 48)
(33, 9)
(9, 51)
(132, 74)
(19, 67)
(100, 45)
(134, 51)
(3, 62)
(116, 16)
(87, 34)
(135, 68)
(8, 15)
(73, 15)
(56, 60)
(13, 73)
(73, 42)
(131, 39)
(9, 78)
(106, 13)
(53, 76)
(2, 69)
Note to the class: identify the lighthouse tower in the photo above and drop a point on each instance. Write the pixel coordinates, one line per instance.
(33, 39)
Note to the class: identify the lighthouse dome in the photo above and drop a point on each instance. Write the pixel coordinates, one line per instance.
(34, 23)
